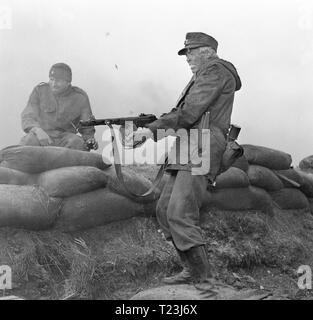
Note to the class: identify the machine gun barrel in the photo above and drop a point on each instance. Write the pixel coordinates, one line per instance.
(139, 121)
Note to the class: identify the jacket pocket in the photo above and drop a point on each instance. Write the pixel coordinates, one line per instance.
(48, 108)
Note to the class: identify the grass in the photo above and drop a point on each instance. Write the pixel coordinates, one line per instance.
(86, 265)
(120, 259)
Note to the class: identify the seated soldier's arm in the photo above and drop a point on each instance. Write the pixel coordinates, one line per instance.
(30, 114)
(30, 119)
(87, 133)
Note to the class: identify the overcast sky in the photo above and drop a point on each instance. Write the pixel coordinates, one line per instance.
(124, 55)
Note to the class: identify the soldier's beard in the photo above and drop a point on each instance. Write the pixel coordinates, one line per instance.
(193, 68)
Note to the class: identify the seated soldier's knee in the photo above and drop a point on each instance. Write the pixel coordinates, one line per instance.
(30, 139)
(73, 141)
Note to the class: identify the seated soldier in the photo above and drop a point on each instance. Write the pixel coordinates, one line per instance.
(53, 112)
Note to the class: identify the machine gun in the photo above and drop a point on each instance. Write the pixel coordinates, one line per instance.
(139, 121)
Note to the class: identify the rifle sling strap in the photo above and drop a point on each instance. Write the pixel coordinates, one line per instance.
(119, 174)
(292, 182)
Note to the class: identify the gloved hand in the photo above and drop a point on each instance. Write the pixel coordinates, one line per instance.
(42, 136)
(91, 143)
(140, 136)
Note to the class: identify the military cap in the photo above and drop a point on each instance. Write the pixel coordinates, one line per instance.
(61, 71)
(197, 40)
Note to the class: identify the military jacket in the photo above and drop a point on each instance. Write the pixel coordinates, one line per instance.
(211, 90)
(57, 113)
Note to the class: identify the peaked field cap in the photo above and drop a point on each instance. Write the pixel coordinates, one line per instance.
(197, 40)
(61, 71)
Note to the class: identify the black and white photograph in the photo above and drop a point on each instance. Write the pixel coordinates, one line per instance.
(156, 154)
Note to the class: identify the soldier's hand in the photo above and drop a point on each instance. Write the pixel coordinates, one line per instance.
(42, 136)
(92, 144)
(142, 135)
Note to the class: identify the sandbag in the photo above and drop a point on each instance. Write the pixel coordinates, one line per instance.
(236, 199)
(307, 182)
(266, 157)
(39, 159)
(306, 164)
(15, 177)
(69, 181)
(27, 207)
(241, 163)
(232, 178)
(290, 198)
(96, 208)
(264, 178)
(290, 178)
(134, 182)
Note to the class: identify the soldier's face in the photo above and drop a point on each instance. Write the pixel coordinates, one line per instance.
(58, 85)
(194, 59)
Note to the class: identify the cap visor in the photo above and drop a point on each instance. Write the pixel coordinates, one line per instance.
(183, 51)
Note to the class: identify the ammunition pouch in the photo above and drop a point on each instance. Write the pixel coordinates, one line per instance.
(233, 150)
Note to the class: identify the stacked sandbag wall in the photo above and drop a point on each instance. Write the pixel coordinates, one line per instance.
(42, 187)
(306, 174)
(262, 179)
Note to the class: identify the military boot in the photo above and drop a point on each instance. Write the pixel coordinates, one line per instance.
(184, 276)
(202, 272)
(199, 265)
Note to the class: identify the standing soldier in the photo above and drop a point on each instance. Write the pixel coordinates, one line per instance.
(53, 112)
(211, 89)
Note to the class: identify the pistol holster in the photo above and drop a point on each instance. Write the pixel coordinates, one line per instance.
(233, 150)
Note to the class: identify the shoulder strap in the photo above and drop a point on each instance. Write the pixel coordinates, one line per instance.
(185, 91)
(79, 90)
(119, 174)
(42, 84)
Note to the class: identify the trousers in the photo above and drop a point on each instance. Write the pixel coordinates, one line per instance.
(66, 140)
(178, 209)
